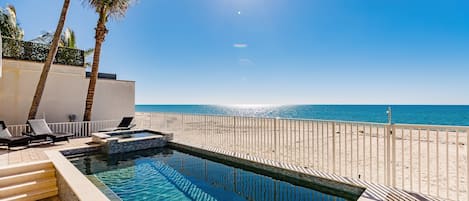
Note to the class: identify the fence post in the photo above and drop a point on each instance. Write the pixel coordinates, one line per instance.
(205, 130)
(333, 147)
(467, 164)
(234, 133)
(144, 120)
(88, 128)
(165, 122)
(393, 160)
(387, 156)
(182, 123)
(388, 148)
(275, 138)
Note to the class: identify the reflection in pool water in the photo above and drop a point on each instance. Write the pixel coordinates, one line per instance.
(166, 174)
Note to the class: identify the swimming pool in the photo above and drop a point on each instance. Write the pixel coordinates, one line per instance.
(169, 174)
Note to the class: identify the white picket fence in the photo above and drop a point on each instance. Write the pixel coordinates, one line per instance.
(80, 129)
(431, 160)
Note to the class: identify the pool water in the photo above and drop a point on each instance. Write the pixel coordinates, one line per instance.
(134, 135)
(170, 175)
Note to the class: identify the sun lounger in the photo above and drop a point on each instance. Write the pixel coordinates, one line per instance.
(7, 139)
(125, 124)
(41, 131)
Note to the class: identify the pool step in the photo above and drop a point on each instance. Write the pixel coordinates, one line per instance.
(26, 177)
(33, 195)
(31, 181)
(29, 186)
(22, 168)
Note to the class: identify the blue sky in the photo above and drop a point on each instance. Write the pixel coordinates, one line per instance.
(278, 51)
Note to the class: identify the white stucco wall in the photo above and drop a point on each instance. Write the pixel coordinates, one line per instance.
(64, 94)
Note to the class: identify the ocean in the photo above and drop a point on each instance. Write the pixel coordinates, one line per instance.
(405, 114)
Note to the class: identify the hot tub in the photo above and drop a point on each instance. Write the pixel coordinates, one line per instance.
(127, 141)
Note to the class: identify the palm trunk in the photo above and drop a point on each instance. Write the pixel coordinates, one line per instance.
(99, 37)
(47, 64)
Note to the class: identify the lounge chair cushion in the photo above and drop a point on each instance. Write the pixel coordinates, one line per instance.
(4, 133)
(39, 126)
(17, 138)
(125, 122)
(15, 141)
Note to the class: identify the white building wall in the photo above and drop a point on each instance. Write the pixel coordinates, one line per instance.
(64, 94)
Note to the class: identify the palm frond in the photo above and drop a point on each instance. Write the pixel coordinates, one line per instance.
(8, 23)
(12, 9)
(114, 8)
(69, 38)
(89, 52)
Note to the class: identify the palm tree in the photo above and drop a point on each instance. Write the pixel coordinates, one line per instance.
(47, 64)
(105, 10)
(8, 24)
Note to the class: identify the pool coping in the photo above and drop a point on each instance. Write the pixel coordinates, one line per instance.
(103, 137)
(328, 186)
(75, 185)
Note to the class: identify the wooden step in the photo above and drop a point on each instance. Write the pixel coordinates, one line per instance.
(25, 167)
(33, 195)
(27, 177)
(27, 187)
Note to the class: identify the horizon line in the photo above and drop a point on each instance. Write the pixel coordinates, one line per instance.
(318, 104)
